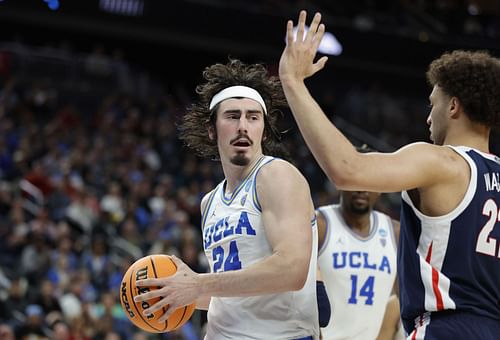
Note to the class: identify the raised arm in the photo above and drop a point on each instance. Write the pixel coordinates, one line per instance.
(417, 165)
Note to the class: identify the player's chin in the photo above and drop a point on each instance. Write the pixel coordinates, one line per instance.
(241, 159)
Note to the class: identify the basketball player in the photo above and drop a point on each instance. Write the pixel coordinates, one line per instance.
(259, 228)
(357, 261)
(448, 255)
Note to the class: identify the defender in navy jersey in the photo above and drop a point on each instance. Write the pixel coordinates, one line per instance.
(449, 249)
(258, 225)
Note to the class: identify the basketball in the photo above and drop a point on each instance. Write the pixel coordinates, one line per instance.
(152, 266)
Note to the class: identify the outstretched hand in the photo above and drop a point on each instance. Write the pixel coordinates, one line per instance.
(297, 60)
(175, 291)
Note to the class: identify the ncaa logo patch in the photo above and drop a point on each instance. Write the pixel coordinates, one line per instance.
(382, 232)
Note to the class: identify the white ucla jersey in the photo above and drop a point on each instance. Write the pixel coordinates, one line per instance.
(358, 273)
(234, 237)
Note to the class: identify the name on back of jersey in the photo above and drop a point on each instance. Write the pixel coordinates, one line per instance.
(492, 181)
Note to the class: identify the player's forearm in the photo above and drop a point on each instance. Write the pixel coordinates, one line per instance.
(330, 147)
(277, 273)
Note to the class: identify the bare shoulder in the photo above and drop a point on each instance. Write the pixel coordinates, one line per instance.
(431, 152)
(278, 172)
(279, 179)
(445, 158)
(442, 160)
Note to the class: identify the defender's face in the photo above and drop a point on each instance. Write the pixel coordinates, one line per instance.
(359, 202)
(438, 118)
(239, 129)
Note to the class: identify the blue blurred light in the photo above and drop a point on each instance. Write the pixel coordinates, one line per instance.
(53, 4)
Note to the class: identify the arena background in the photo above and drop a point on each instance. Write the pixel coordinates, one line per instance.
(92, 175)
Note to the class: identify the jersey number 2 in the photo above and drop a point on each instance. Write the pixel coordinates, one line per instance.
(485, 244)
(366, 290)
(231, 262)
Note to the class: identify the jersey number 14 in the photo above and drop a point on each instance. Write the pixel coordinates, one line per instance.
(366, 290)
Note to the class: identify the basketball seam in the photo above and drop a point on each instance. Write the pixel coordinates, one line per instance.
(139, 313)
(182, 318)
(156, 276)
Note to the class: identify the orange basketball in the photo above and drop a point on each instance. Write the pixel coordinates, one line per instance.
(152, 266)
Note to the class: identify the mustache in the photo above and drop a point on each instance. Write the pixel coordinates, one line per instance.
(241, 136)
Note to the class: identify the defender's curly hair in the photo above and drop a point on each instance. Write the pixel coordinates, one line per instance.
(472, 77)
(193, 129)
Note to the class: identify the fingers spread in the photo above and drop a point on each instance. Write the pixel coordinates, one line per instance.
(318, 36)
(167, 314)
(148, 282)
(320, 63)
(311, 34)
(301, 25)
(289, 32)
(155, 307)
(149, 295)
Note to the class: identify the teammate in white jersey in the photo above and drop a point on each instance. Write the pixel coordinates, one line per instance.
(357, 260)
(259, 227)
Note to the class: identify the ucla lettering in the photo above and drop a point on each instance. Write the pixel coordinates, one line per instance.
(217, 230)
(366, 264)
(225, 227)
(357, 259)
(229, 229)
(243, 222)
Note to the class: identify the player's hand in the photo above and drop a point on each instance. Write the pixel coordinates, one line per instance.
(175, 291)
(297, 60)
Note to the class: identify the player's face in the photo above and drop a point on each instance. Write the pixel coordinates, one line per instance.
(358, 202)
(438, 118)
(240, 127)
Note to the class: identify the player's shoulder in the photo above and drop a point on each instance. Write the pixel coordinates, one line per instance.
(432, 150)
(206, 198)
(424, 148)
(278, 169)
(443, 158)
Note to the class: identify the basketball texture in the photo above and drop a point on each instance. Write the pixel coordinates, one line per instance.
(152, 266)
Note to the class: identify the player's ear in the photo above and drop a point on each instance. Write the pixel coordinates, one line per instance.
(212, 134)
(454, 107)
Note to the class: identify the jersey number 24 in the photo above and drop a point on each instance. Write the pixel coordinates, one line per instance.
(230, 262)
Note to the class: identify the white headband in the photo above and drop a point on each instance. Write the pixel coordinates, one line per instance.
(237, 91)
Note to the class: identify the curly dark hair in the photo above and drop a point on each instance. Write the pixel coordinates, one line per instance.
(472, 77)
(193, 129)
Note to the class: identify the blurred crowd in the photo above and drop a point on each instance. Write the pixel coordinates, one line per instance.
(93, 177)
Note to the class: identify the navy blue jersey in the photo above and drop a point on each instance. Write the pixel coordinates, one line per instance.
(452, 262)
